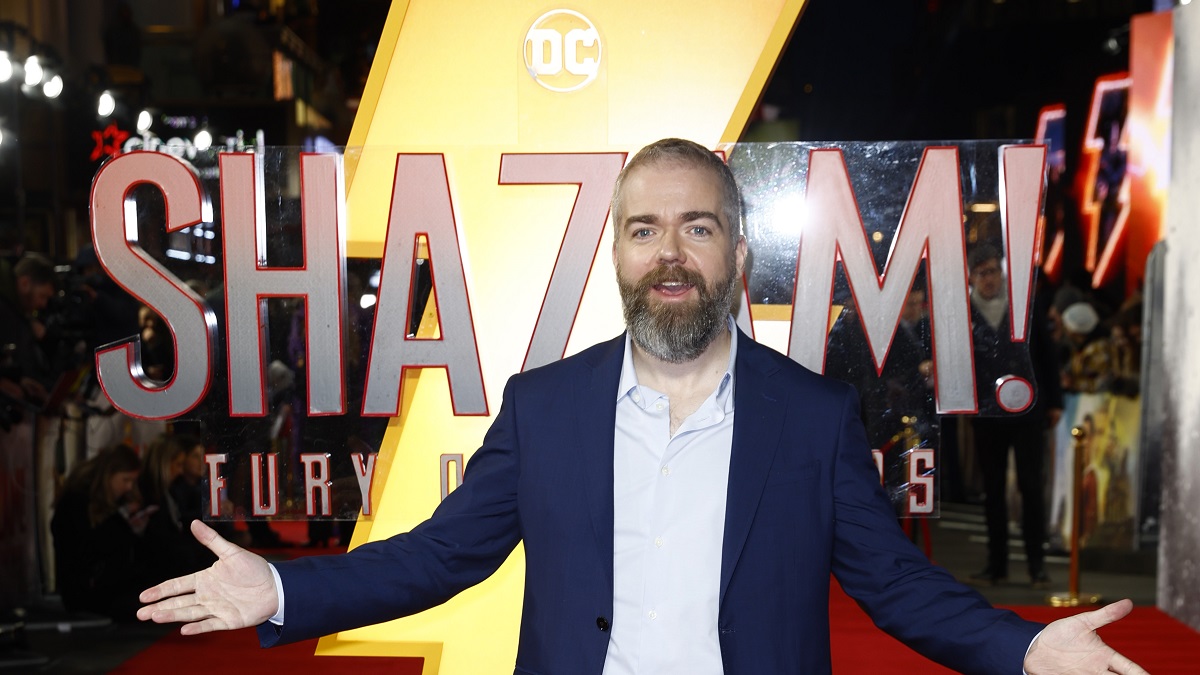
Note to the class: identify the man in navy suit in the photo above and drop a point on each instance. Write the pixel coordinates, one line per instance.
(683, 495)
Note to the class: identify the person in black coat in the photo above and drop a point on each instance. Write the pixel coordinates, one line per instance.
(97, 526)
(997, 357)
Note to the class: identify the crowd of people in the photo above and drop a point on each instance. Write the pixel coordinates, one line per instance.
(119, 491)
(120, 523)
(116, 492)
(1099, 348)
(1076, 345)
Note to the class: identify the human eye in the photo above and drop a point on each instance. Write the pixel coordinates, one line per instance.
(700, 230)
(641, 233)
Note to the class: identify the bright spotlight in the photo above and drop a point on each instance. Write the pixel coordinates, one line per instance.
(53, 87)
(106, 105)
(1, 137)
(144, 121)
(33, 72)
(788, 214)
(203, 140)
(5, 67)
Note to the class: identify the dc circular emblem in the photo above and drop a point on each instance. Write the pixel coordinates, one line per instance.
(562, 50)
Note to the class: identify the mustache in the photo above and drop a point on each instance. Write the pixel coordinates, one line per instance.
(670, 274)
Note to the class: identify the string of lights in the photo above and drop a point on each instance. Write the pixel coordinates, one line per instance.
(34, 68)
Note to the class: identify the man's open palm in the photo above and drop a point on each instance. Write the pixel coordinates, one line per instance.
(236, 592)
(1069, 646)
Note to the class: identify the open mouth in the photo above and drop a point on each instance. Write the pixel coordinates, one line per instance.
(673, 288)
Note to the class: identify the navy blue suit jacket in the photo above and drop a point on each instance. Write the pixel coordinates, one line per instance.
(804, 501)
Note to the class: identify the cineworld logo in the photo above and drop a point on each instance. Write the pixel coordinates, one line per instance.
(562, 50)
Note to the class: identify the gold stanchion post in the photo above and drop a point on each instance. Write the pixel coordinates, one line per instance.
(1072, 598)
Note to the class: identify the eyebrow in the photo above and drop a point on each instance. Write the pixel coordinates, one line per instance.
(687, 217)
(638, 219)
(702, 215)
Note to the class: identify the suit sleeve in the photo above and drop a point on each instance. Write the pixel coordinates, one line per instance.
(905, 595)
(467, 538)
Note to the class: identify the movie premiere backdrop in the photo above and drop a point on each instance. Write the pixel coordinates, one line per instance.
(376, 297)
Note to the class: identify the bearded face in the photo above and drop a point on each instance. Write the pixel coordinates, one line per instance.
(678, 262)
(676, 332)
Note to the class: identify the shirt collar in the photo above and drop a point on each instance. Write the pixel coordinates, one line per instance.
(629, 382)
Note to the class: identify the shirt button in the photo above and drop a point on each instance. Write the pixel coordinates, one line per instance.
(658, 406)
(666, 471)
(658, 542)
(637, 396)
(653, 614)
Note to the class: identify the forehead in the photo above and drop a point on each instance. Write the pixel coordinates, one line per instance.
(669, 185)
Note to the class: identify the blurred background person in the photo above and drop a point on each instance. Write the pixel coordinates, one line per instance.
(167, 546)
(26, 288)
(996, 356)
(100, 312)
(187, 490)
(158, 348)
(97, 526)
(1087, 357)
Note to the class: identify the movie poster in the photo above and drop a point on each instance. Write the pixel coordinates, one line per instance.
(1108, 480)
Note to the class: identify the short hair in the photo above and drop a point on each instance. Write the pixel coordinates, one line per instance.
(981, 254)
(687, 153)
(37, 268)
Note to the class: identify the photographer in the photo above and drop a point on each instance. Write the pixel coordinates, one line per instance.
(94, 312)
(25, 290)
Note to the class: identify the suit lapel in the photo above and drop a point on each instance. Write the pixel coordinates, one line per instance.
(759, 407)
(595, 408)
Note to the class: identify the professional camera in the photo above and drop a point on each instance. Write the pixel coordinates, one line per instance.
(69, 320)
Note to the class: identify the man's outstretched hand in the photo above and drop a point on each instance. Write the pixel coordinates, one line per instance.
(1069, 646)
(236, 592)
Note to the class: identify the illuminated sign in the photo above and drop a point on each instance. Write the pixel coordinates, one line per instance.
(1051, 132)
(1105, 203)
(107, 141)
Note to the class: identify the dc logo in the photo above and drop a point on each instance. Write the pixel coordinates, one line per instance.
(562, 50)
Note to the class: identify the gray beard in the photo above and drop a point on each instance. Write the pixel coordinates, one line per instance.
(670, 332)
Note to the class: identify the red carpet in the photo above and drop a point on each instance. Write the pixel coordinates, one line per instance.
(236, 652)
(1159, 643)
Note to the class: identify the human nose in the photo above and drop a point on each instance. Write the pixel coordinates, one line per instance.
(669, 248)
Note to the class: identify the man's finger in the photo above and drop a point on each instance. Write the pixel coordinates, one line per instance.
(213, 541)
(185, 614)
(1107, 614)
(1119, 663)
(205, 626)
(172, 603)
(169, 588)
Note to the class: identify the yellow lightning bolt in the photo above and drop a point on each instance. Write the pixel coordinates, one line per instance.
(456, 79)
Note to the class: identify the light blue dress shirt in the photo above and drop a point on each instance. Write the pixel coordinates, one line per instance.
(668, 525)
